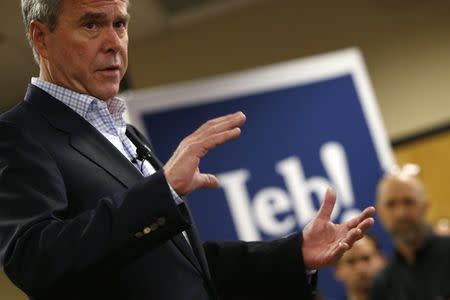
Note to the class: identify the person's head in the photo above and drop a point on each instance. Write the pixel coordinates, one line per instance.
(358, 266)
(80, 44)
(402, 206)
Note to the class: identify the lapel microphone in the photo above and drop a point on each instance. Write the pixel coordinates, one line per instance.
(143, 152)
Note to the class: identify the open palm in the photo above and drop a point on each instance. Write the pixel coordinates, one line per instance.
(182, 170)
(324, 242)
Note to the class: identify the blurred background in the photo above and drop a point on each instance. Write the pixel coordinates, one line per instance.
(405, 45)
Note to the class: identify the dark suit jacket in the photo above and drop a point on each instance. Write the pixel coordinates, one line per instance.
(79, 221)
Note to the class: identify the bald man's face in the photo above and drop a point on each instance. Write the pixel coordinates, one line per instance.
(402, 208)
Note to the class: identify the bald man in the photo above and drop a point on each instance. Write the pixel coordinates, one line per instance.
(420, 268)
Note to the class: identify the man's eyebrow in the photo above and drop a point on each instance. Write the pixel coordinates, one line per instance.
(126, 17)
(89, 16)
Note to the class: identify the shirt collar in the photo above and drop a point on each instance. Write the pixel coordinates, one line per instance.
(81, 103)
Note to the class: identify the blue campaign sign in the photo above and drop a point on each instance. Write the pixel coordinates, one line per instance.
(311, 123)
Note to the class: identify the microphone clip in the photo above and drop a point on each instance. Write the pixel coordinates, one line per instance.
(143, 153)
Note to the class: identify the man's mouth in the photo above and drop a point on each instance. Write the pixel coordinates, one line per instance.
(110, 70)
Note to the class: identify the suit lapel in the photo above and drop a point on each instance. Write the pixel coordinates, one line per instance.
(100, 151)
(84, 138)
(183, 246)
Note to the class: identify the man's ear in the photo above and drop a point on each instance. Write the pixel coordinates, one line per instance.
(425, 206)
(38, 33)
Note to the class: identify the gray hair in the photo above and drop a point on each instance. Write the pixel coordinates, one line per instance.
(46, 11)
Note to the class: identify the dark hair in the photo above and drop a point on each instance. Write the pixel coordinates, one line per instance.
(371, 236)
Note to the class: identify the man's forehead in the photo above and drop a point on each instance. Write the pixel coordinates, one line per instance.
(100, 2)
(397, 187)
(363, 243)
(79, 10)
(93, 4)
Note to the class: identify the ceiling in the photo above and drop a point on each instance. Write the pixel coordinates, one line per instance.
(150, 18)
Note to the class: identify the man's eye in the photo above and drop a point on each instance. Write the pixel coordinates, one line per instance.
(365, 258)
(90, 25)
(120, 24)
(350, 262)
(390, 204)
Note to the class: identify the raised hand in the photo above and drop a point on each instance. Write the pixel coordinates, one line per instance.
(324, 242)
(182, 170)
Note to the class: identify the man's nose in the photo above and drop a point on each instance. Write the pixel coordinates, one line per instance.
(360, 266)
(400, 211)
(112, 40)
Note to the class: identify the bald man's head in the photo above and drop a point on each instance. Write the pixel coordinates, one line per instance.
(402, 207)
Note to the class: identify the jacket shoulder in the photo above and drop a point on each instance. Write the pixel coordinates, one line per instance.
(21, 116)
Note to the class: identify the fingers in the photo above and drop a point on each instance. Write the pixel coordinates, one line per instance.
(338, 251)
(342, 247)
(182, 171)
(218, 125)
(212, 133)
(365, 214)
(357, 233)
(218, 139)
(208, 181)
(366, 224)
(352, 236)
(327, 205)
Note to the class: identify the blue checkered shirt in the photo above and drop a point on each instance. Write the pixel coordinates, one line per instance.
(106, 117)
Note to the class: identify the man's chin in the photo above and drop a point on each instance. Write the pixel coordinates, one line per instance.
(406, 237)
(107, 94)
(363, 287)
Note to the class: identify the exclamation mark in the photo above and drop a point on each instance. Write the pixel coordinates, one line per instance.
(333, 158)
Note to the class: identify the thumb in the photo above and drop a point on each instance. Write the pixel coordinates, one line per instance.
(208, 181)
(327, 205)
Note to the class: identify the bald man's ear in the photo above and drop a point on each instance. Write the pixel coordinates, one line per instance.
(38, 34)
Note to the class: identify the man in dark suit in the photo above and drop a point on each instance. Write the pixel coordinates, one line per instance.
(81, 217)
